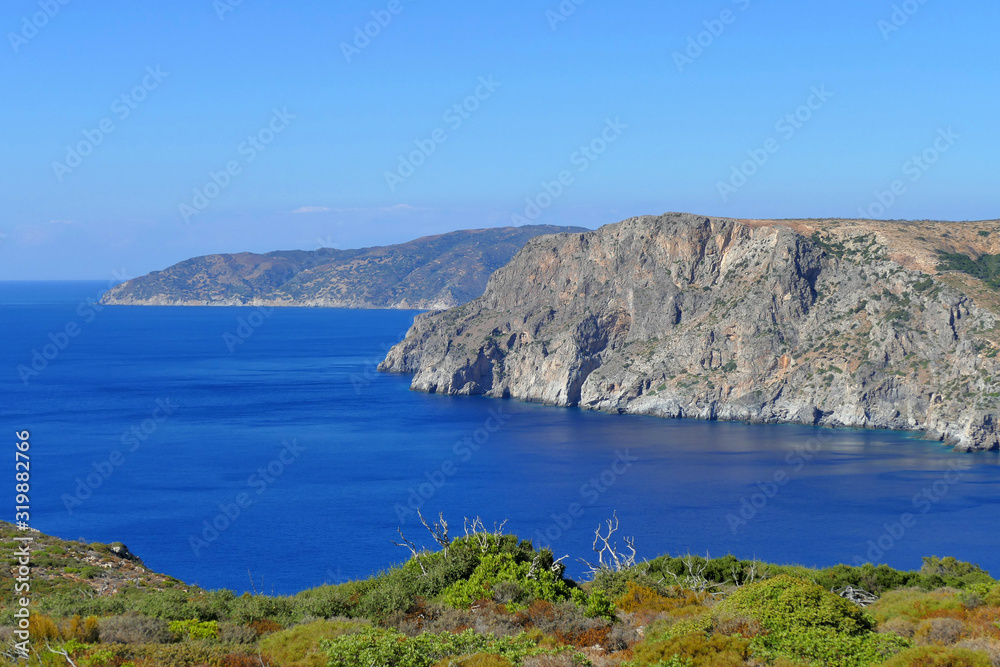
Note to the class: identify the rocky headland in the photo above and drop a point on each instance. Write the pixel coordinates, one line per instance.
(851, 323)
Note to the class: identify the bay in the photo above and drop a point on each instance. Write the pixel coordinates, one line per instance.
(152, 426)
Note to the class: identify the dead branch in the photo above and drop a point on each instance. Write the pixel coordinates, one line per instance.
(858, 596)
(694, 578)
(439, 531)
(480, 534)
(616, 560)
(748, 575)
(413, 549)
(63, 652)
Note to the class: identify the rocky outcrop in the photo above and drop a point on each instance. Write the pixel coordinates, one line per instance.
(429, 273)
(833, 323)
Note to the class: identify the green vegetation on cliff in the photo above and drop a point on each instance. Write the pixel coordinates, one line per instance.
(490, 599)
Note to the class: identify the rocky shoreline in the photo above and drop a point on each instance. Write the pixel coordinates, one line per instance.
(831, 323)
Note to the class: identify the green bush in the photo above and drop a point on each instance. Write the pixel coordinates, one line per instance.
(373, 646)
(194, 629)
(804, 621)
(505, 568)
(695, 650)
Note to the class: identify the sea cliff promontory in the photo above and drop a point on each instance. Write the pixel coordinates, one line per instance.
(853, 323)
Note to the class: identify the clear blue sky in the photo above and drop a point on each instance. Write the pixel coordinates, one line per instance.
(322, 179)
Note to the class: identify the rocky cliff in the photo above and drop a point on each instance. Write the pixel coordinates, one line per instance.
(826, 322)
(433, 272)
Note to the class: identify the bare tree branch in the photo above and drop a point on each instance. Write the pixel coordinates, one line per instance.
(616, 560)
(63, 652)
(413, 549)
(439, 531)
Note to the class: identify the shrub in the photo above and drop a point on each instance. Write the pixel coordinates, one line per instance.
(194, 629)
(185, 654)
(248, 608)
(937, 656)
(43, 628)
(695, 650)
(239, 660)
(638, 597)
(477, 660)
(785, 602)
(990, 647)
(804, 621)
(621, 637)
(265, 626)
(557, 660)
(84, 630)
(939, 631)
(299, 646)
(736, 624)
(133, 629)
(914, 605)
(903, 627)
(505, 568)
(373, 646)
(230, 633)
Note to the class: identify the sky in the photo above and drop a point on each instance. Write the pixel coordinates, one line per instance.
(139, 134)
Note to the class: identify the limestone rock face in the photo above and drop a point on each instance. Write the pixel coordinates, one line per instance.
(834, 323)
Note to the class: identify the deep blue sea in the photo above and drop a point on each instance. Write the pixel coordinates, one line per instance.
(149, 425)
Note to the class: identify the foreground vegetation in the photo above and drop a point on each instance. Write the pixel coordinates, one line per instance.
(487, 599)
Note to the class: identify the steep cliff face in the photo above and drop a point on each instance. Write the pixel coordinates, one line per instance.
(835, 323)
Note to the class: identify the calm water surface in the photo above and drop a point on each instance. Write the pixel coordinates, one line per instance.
(151, 424)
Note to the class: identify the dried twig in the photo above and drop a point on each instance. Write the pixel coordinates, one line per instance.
(413, 549)
(616, 560)
(475, 529)
(63, 652)
(439, 531)
(858, 596)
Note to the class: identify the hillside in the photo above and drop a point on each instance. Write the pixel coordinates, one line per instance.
(828, 322)
(432, 272)
(490, 599)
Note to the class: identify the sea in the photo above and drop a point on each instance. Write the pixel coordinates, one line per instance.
(260, 450)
